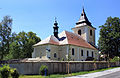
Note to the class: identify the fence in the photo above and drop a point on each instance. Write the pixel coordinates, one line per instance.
(59, 66)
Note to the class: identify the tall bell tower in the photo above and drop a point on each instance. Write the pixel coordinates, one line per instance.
(85, 29)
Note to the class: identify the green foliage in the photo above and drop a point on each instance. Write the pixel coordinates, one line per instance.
(14, 73)
(110, 37)
(5, 71)
(22, 45)
(5, 33)
(15, 46)
(42, 70)
(115, 59)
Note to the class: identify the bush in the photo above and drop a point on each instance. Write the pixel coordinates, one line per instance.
(14, 73)
(43, 68)
(115, 59)
(5, 71)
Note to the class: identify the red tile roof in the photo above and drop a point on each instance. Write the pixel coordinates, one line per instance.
(69, 38)
(75, 39)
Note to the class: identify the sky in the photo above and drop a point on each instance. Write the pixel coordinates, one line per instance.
(38, 15)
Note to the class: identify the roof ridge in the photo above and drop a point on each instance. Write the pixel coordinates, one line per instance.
(66, 37)
(50, 38)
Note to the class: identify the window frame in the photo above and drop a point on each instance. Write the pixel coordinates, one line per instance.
(87, 53)
(79, 32)
(92, 54)
(73, 51)
(91, 32)
(55, 55)
(82, 54)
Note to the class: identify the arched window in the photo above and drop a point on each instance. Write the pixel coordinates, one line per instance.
(90, 32)
(92, 54)
(81, 52)
(55, 55)
(79, 32)
(73, 51)
(87, 53)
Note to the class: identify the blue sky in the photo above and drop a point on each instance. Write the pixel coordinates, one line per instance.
(38, 15)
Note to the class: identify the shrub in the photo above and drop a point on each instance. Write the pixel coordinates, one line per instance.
(43, 68)
(5, 71)
(14, 73)
(115, 59)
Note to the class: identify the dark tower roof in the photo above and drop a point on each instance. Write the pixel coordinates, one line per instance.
(55, 27)
(56, 24)
(83, 19)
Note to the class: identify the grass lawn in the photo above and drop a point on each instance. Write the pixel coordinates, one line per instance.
(65, 75)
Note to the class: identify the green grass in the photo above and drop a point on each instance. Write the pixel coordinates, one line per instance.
(65, 75)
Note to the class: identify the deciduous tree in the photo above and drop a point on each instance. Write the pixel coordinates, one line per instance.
(5, 32)
(109, 41)
(22, 45)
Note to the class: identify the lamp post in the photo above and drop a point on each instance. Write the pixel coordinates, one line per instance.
(67, 56)
(118, 60)
(108, 60)
(99, 55)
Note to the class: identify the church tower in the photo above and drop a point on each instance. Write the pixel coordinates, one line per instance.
(55, 29)
(85, 29)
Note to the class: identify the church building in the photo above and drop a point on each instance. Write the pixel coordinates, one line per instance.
(78, 45)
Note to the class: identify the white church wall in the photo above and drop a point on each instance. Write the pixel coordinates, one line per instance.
(54, 49)
(77, 53)
(63, 51)
(39, 51)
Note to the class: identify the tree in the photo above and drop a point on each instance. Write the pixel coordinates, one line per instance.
(5, 32)
(22, 45)
(109, 41)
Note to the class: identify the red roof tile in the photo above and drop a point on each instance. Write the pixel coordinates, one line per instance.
(70, 38)
(75, 39)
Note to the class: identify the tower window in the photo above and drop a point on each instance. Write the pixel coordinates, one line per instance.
(81, 52)
(55, 55)
(56, 30)
(90, 32)
(73, 52)
(87, 53)
(79, 32)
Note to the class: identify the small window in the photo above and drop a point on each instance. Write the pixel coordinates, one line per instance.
(56, 30)
(87, 53)
(55, 55)
(79, 32)
(81, 52)
(92, 54)
(90, 32)
(73, 51)
(82, 14)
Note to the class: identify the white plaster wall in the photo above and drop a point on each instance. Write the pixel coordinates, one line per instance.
(62, 51)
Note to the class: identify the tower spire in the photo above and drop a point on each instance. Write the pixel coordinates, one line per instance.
(83, 19)
(55, 27)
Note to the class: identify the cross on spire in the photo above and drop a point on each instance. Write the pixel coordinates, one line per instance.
(55, 24)
(55, 19)
(83, 4)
